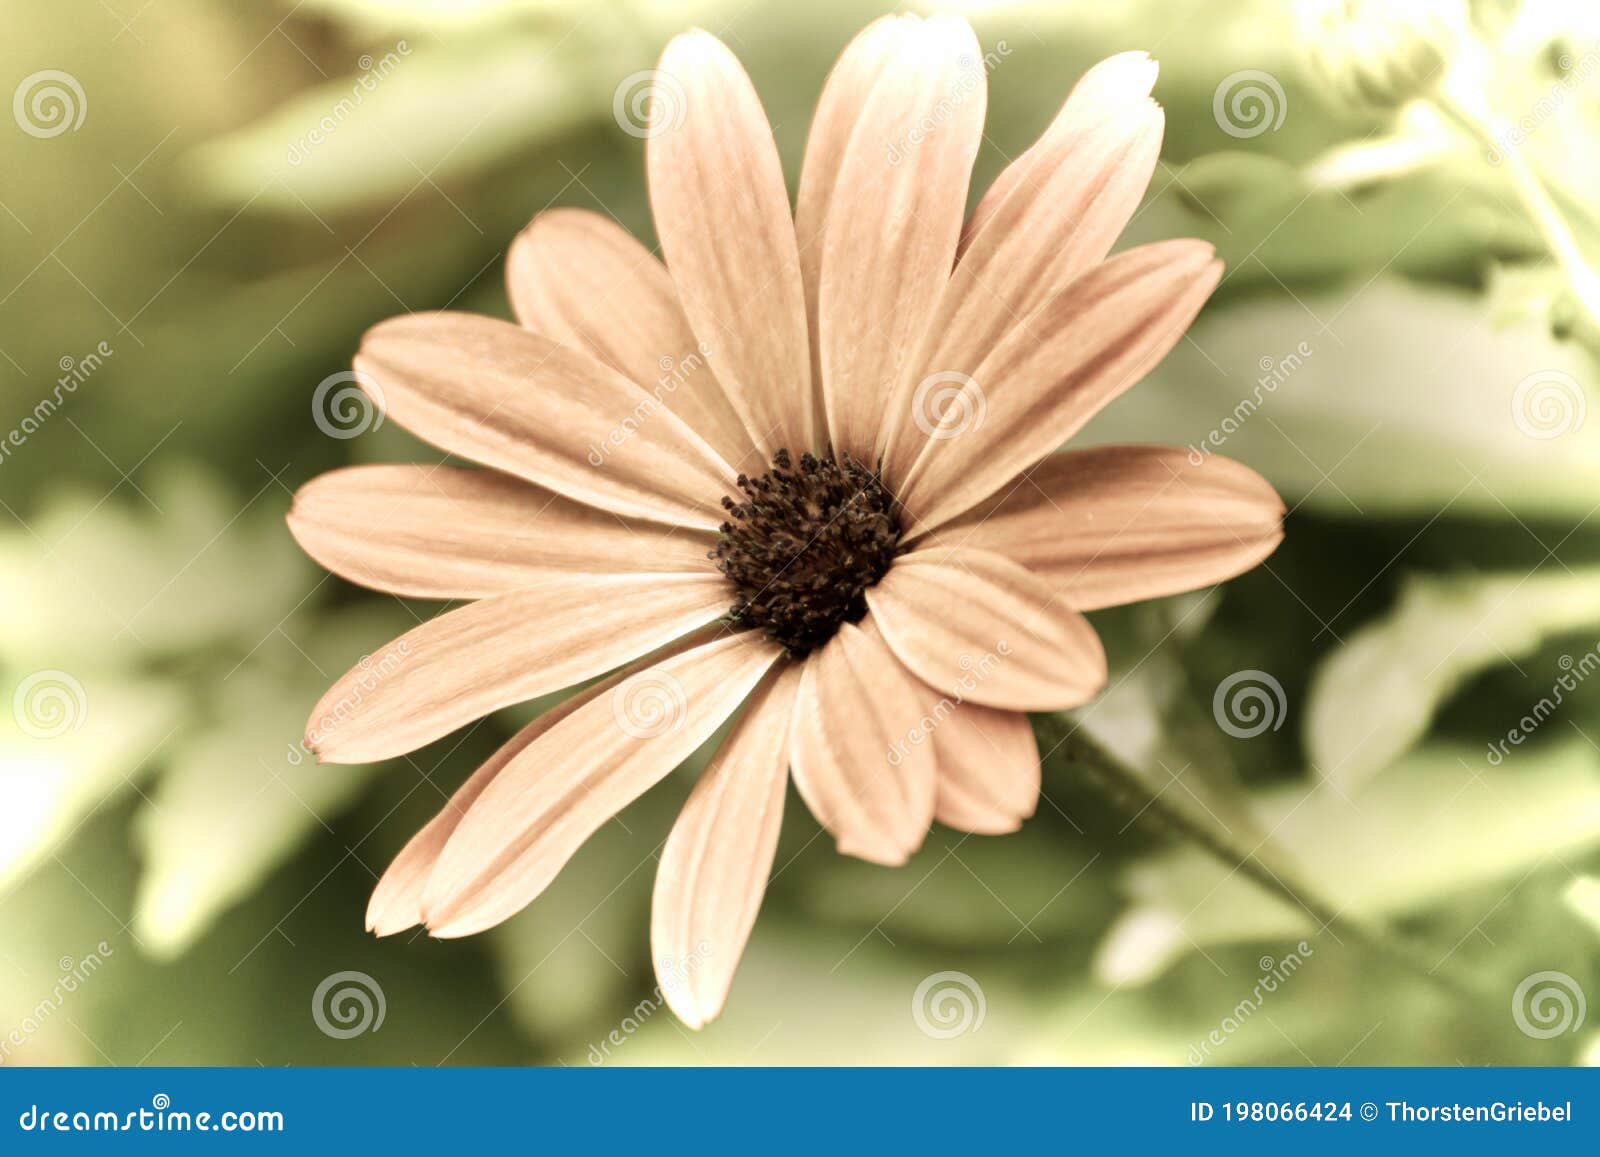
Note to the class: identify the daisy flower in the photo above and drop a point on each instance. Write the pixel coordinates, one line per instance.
(802, 475)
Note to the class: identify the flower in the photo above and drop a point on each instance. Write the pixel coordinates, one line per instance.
(802, 476)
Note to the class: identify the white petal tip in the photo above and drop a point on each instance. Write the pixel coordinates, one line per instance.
(883, 857)
(391, 925)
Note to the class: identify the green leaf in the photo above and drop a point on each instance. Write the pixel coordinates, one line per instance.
(1583, 897)
(71, 742)
(808, 997)
(177, 564)
(584, 942)
(418, 112)
(1442, 821)
(1379, 400)
(243, 795)
(1374, 696)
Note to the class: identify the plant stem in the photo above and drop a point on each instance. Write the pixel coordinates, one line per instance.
(1119, 780)
(1546, 216)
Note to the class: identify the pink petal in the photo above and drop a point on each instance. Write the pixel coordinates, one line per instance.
(988, 769)
(555, 793)
(715, 865)
(1053, 372)
(853, 759)
(1117, 524)
(507, 398)
(893, 219)
(978, 626)
(583, 280)
(722, 210)
(462, 665)
(396, 902)
(1051, 215)
(440, 532)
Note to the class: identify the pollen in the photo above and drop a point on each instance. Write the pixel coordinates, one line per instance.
(804, 546)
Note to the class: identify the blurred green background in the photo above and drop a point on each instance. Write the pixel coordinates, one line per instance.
(205, 203)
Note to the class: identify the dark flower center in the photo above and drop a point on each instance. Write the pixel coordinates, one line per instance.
(804, 545)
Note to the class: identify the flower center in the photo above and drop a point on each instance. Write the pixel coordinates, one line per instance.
(804, 545)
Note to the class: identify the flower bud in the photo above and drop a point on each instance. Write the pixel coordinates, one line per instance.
(1376, 55)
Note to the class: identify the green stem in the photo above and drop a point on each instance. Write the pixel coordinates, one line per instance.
(1541, 207)
(1122, 782)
